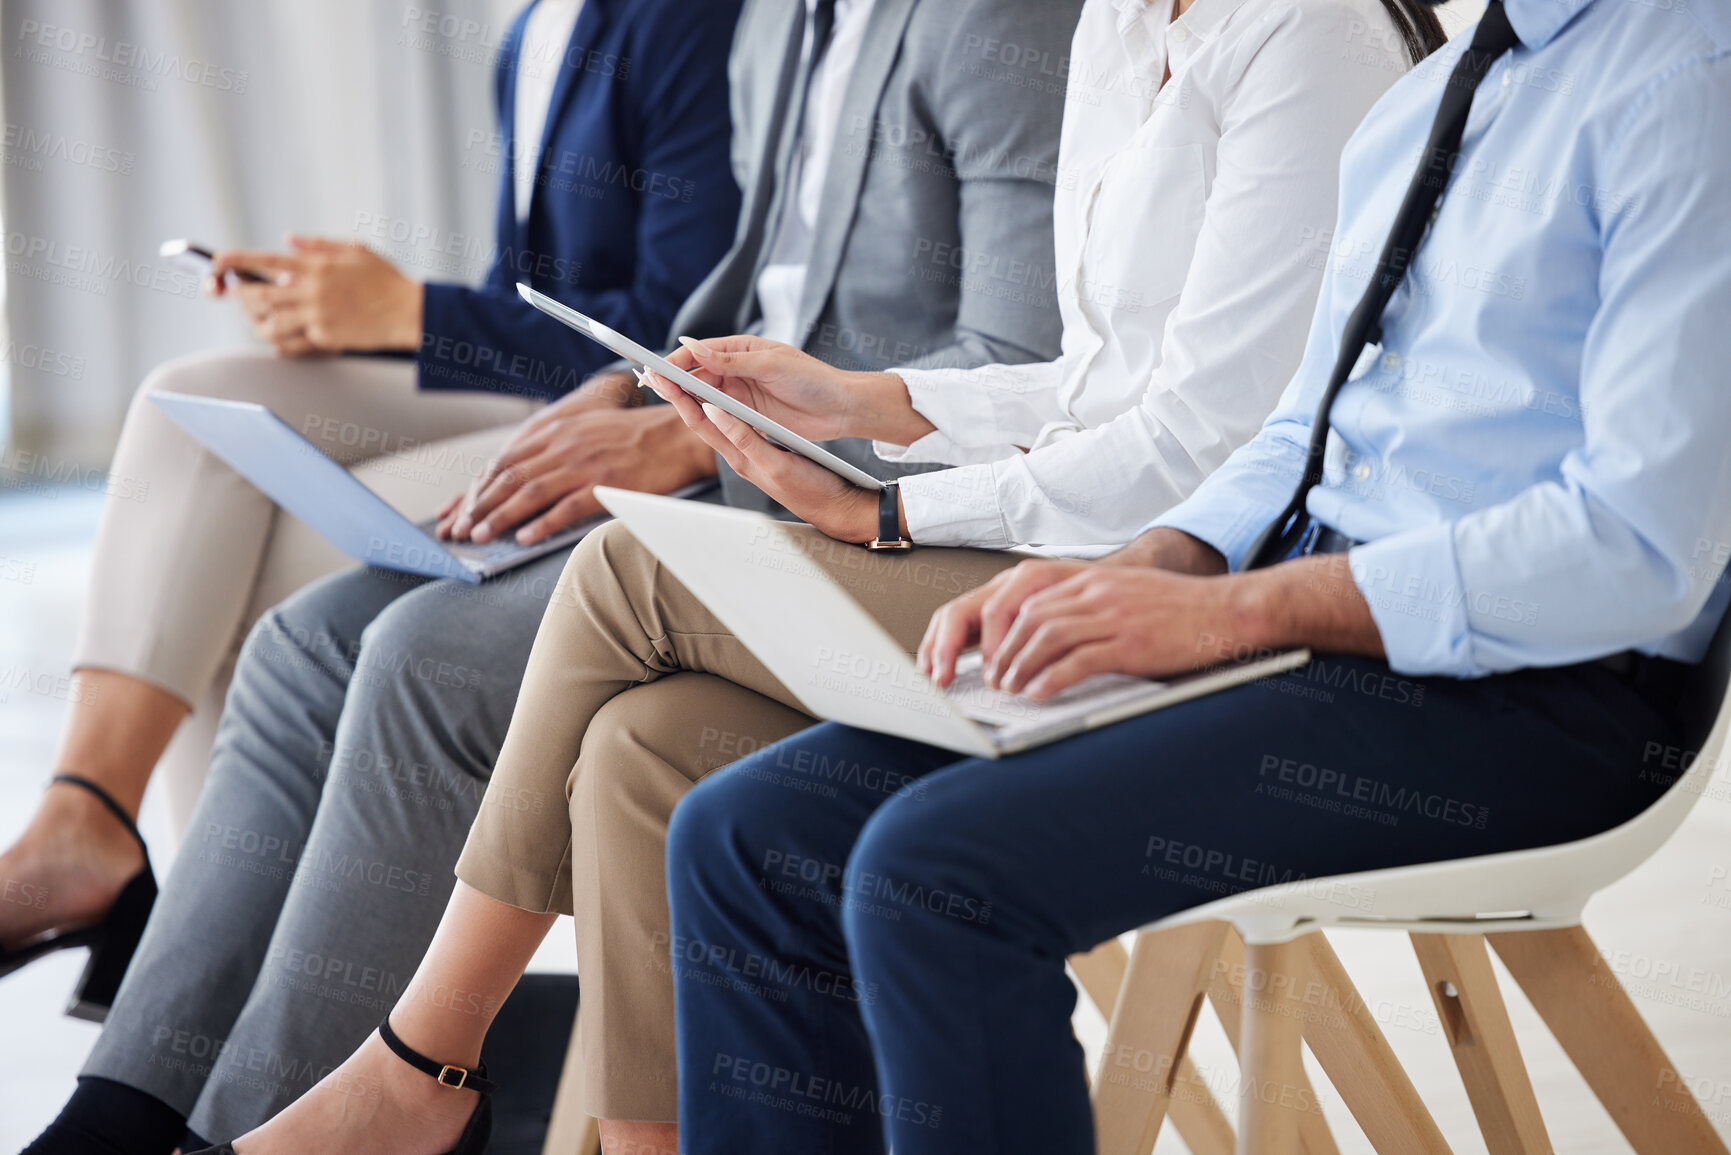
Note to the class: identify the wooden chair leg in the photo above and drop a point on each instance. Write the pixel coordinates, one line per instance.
(1457, 969)
(570, 1130)
(1148, 1035)
(1272, 1056)
(1599, 1028)
(1225, 992)
(1345, 1039)
(1201, 1123)
(1101, 972)
(1205, 1128)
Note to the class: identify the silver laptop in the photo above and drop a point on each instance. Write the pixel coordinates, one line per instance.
(754, 573)
(301, 478)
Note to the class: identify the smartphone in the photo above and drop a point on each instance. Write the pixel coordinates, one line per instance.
(197, 258)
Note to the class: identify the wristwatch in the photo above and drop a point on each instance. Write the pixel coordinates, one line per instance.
(889, 521)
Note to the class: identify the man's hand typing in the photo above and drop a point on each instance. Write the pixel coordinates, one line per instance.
(1157, 608)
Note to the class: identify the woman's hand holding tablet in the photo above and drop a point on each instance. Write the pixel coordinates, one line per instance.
(630, 350)
(808, 396)
(825, 500)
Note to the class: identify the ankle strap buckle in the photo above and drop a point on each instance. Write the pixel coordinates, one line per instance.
(445, 1074)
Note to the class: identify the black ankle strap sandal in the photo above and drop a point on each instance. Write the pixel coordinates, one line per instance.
(480, 1126)
(109, 803)
(445, 1074)
(113, 940)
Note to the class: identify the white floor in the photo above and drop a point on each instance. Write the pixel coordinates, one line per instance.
(1666, 930)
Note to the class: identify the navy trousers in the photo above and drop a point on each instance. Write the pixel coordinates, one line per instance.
(869, 933)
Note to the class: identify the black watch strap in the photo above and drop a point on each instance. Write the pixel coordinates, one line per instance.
(447, 1075)
(889, 521)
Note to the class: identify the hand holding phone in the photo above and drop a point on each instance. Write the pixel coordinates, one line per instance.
(322, 296)
(199, 258)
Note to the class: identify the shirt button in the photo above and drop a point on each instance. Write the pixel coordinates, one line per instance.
(1391, 362)
(1361, 471)
(1507, 78)
(1180, 33)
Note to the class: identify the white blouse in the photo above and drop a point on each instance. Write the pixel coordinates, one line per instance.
(1191, 225)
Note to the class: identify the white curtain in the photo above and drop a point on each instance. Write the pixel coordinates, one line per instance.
(230, 123)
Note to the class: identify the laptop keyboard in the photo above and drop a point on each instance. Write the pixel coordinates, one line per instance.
(492, 551)
(1002, 710)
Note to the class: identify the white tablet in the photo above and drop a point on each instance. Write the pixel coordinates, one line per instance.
(638, 355)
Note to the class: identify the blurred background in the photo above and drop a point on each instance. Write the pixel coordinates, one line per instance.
(231, 124)
(126, 124)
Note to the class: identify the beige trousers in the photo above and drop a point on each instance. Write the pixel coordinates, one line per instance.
(188, 554)
(634, 692)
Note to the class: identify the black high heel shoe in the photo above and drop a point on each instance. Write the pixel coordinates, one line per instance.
(112, 941)
(473, 1140)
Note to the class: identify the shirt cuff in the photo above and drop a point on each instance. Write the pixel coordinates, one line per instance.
(1412, 583)
(955, 507)
(1230, 527)
(978, 419)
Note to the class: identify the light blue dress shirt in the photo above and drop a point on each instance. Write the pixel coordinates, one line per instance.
(1538, 457)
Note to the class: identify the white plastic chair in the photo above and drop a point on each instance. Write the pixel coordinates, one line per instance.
(1527, 904)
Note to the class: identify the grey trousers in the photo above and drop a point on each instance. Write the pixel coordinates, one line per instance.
(364, 718)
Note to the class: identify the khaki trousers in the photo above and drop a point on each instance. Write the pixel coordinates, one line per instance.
(633, 693)
(188, 554)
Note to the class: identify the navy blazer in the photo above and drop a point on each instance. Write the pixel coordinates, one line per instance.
(635, 200)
